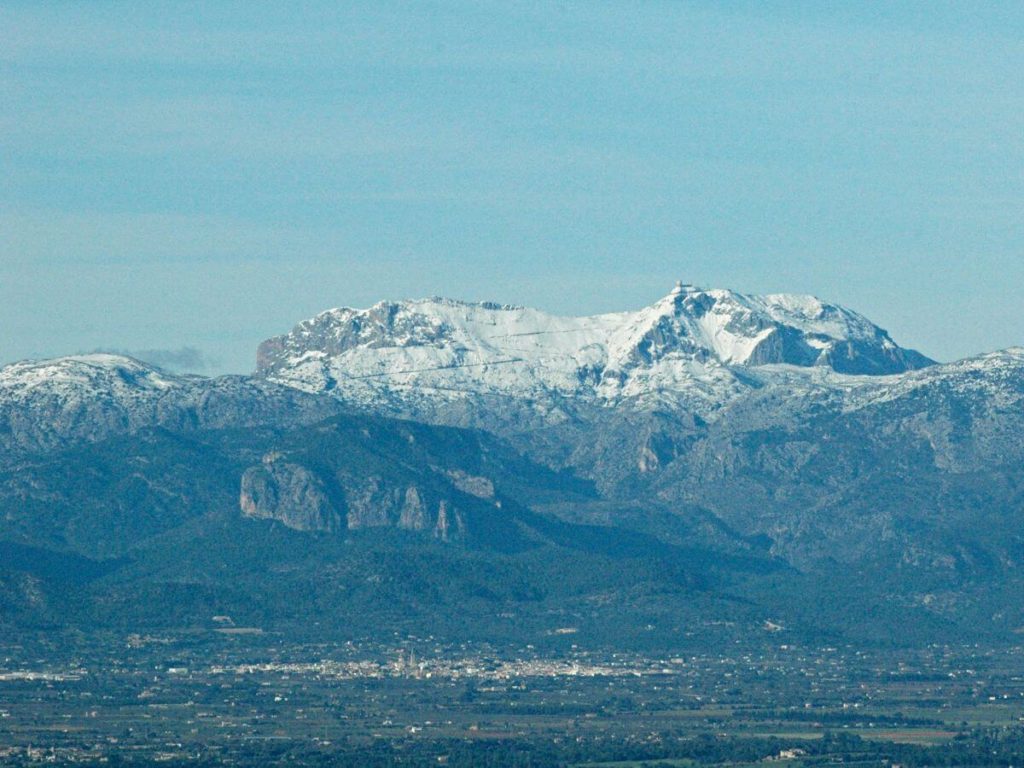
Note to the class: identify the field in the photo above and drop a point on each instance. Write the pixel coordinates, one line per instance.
(212, 698)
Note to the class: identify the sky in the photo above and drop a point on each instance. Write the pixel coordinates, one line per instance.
(182, 180)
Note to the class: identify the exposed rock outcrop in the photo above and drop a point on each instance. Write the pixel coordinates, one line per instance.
(373, 502)
(289, 493)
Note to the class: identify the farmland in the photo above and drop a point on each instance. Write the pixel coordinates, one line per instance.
(206, 697)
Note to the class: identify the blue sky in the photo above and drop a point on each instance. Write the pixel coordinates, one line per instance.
(206, 175)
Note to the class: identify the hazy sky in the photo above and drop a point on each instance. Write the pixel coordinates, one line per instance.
(205, 175)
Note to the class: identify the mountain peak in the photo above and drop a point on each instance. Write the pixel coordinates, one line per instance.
(76, 372)
(690, 345)
(733, 328)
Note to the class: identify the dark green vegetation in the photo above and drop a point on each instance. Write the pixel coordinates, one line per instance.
(454, 532)
(145, 531)
(198, 581)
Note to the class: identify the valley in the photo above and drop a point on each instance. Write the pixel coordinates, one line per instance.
(201, 696)
(722, 530)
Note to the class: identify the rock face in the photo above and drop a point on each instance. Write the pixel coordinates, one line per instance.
(474, 485)
(777, 428)
(289, 493)
(372, 502)
(694, 347)
(352, 497)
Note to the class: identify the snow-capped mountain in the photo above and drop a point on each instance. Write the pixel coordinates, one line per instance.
(78, 378)
(970, 412)
(53, 403)
(775, 426)
(752, 360)
(694, 347)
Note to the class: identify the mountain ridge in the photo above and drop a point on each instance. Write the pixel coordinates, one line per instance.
(694, 344)
(778, 442)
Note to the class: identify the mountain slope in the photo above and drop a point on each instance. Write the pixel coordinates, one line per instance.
(51, 404)
(767, 452)
(918, 466)
(158, 526)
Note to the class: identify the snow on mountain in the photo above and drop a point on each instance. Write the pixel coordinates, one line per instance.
(691, 347)
(753, 360)
(995, 378)
(79, 377)
(54, 403)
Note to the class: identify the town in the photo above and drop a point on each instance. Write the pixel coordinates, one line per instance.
(223, 698)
